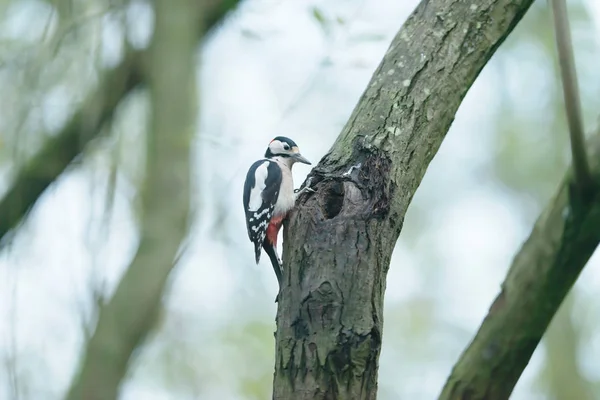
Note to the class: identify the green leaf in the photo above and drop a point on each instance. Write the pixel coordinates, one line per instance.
(320, 17)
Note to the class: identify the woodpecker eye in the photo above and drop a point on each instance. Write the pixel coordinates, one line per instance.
(286, 146)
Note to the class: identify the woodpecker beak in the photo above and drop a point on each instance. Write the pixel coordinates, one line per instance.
(298, 158)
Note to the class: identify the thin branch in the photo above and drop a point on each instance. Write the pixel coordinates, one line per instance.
(568, 71)
(542, 273)
(59, 151)
(310, 82)
(85, 126)
(81, 20)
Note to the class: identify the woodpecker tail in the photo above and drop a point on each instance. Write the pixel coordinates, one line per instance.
(272, 253)
(257, 249)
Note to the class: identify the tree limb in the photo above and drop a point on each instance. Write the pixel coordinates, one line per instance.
(60, 150)
(83, 127)
(570, 86)
(339, 241)
(131, 313)
(544, 270)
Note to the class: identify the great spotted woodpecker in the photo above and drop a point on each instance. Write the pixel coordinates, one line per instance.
(269, 196)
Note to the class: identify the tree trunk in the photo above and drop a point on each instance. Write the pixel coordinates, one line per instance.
(125, 321)
(339, 241)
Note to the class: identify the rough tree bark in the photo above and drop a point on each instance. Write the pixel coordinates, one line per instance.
(339, 241)
(546, 267)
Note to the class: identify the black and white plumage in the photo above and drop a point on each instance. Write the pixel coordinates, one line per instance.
(269, 196)
(261, 191)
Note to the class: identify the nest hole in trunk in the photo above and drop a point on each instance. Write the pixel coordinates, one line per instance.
(333, 199)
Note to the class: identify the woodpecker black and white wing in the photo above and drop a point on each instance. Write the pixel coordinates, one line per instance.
(261, 190)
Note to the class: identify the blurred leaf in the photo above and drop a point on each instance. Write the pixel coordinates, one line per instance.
(253, 344)
(320, 17)
(257, 388)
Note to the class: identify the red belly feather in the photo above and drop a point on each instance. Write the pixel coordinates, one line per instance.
(273, 229)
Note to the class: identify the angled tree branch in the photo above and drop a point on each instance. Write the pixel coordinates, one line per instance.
(339, 241)
(58, 152)
(568, 71)
(562, 241)
(83, 127)
(132, 311)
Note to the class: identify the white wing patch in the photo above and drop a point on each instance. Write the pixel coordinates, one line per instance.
(260, 178)
(262, 225)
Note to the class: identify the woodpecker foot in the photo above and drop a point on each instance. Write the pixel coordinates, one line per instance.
(306, 188)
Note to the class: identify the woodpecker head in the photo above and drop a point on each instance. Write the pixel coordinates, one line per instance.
(286, 150)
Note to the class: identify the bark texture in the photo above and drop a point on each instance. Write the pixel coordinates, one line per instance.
(339, 241)
(548, 264)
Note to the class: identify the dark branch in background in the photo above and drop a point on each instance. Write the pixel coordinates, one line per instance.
(59, 151)
(568, 71)
(85, 126)
(542, 273)
(131, 313)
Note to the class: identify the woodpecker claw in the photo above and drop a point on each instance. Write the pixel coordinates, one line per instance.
(306, 188)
